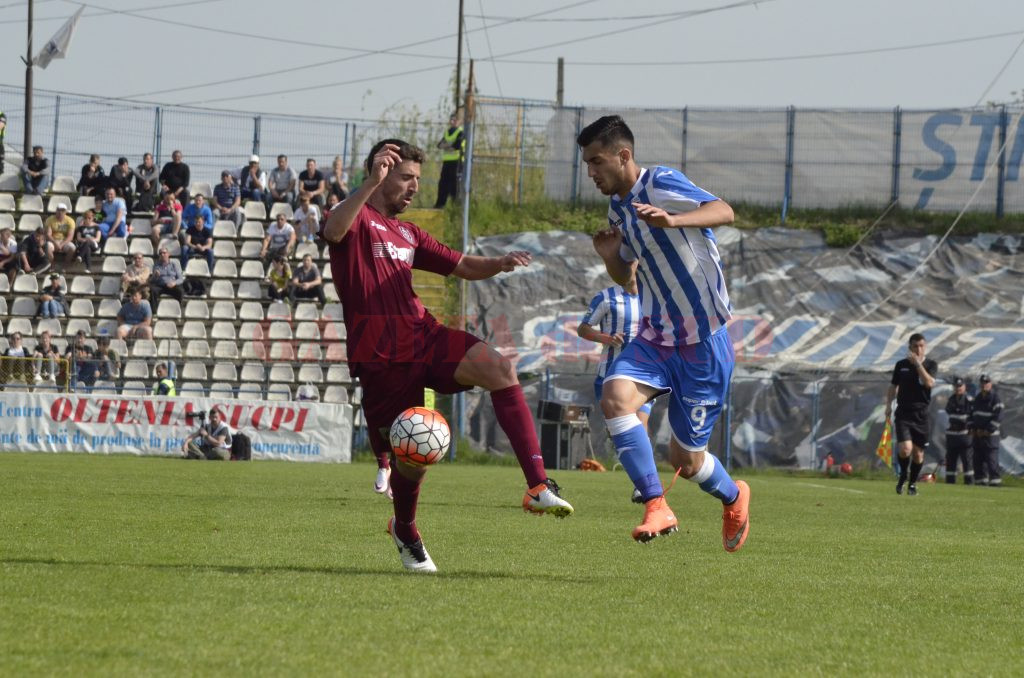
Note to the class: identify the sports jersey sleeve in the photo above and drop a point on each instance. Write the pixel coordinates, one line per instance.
(596, 311)
(432, 255)
(673, 191)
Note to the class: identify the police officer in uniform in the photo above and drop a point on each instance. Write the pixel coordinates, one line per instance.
(164, 384)
(985, 428)
(451, 145)
(958, 435)
(912, 381)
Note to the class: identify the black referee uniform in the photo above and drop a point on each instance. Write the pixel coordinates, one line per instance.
(912, 421)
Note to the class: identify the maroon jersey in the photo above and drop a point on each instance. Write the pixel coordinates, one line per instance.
(372, 271)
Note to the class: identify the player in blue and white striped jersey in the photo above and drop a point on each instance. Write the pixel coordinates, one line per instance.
(660, 231)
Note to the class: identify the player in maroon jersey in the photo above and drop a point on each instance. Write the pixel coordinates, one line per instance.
(396, 347)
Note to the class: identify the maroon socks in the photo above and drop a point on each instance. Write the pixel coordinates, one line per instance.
(515, 420)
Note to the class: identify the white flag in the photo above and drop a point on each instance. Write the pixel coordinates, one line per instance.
(57, 47)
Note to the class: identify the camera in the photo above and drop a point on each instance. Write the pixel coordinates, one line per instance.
(201, 416)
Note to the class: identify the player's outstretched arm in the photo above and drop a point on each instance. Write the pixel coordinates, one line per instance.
(480, 268)
(708, 215)
(595, 335)
(344, 214)
(607, 243)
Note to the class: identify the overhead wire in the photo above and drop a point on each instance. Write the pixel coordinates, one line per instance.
(105, 11)
(490, 50)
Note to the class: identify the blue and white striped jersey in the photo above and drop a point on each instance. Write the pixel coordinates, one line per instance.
(614, 311)
(682, 287)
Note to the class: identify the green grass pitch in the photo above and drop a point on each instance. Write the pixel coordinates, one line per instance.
(141, 566)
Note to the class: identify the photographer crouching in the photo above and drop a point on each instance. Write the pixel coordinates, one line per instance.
(211, 441)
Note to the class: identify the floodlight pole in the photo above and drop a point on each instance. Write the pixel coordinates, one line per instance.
(27, 145)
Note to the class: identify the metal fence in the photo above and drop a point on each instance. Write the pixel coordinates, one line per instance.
(781, 157)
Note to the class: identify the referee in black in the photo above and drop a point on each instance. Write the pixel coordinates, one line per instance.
(912, 381)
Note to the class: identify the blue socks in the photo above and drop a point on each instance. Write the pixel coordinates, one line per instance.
(636, 454)
(715, 480)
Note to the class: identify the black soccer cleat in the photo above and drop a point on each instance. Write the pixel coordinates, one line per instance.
(911, 490)
(899, 487)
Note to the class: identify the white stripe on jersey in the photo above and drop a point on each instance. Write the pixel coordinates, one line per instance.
(682, 287)
(615, 312)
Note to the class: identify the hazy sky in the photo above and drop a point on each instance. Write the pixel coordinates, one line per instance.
(361, 59)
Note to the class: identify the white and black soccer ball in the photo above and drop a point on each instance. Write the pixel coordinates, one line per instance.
(420, 436)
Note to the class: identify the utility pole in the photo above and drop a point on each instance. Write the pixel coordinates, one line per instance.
(458, 61)
(560, 89)
(27, 146)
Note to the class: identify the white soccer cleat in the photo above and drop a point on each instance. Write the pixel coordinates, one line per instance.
(383, 483)
(544, 498)
(414, 557)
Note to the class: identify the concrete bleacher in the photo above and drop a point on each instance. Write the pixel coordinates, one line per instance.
(229, 341)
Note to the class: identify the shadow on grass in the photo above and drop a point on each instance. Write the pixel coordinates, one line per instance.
(301, 569)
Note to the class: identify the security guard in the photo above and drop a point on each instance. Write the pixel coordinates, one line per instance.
(164, 385)
(958, 436)
(452, 144)
(985, 428)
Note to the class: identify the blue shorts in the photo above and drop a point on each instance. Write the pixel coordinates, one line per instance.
(599, 383)
(696, 375)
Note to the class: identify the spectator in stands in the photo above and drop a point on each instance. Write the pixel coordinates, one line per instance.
(312, 183)
(35, 172)
(17, 369)
(253, 181)
(198, 212)
(93, 180)
(147, 184)
(280, 239)
(45, 364)
(35, 253)
(166, 278)
(88, 239)
(167, 219)
(307, 283)
(198, 242)
(164, 384)
(135, 318)
(307, 220)
(136, 274)
(60, 233)
(80, 360)
(175, 177)
(279, 279)
(282, 182)
(120, 180)
(227, 200)
(115, 213)
(51, 299)
(337, 181)
(211, 441)
(8, 254)
(106, 362)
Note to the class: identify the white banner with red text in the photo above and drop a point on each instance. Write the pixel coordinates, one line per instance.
(144, 425)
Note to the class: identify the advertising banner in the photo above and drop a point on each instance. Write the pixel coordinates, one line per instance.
(70, 422)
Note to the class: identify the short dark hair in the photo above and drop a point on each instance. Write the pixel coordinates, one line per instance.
(36, 148)
(406, 151)
(609, 131)
(915, 337)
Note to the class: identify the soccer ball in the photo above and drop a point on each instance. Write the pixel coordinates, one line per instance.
(420, 436)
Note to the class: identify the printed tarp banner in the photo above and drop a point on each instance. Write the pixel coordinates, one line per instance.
(69, 422)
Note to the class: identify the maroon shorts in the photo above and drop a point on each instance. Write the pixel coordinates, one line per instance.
(391, 388)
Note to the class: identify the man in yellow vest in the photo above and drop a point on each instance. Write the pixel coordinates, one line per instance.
(164, 384)
(452, 145)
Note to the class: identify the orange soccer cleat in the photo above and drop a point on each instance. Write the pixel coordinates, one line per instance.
(658, 521)
(736, 519)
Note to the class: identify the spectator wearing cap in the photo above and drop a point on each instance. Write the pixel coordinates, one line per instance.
(282, 182)
(135, 318)
(120, 180)
(136, 274)
(51, 300)
(959, 445)
(92, 180)
(35, 172)
(986, 412)
(175, 177)
(87, 239)
(166, 278)
(227, 200)
(115, 213)
(147, 184)
(253, 181)
(35, 253)
(167, 220)
(60, 233)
